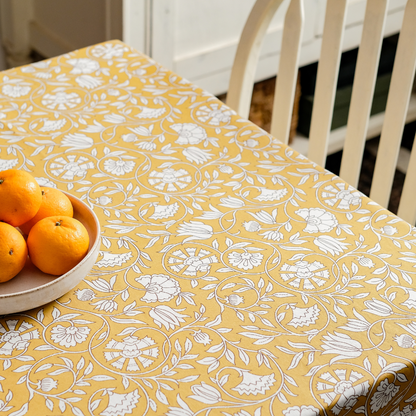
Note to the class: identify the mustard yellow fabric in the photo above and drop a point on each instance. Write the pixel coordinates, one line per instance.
(235, 277)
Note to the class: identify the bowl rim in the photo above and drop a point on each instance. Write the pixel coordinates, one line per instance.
(58, 279)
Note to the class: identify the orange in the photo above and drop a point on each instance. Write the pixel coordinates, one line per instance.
(57, 244)
(54, 202)
(13, 252)
(20, 196)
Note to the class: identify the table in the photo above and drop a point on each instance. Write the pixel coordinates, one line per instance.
(235, 278)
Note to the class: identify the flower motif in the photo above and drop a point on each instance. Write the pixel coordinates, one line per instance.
(164, 315)
(251, 143)
(310, 274)
(301, 411)
(69, 336)
(377, 307)
(89, 82)
(129, 138)
(121, 404)
(214, 114)
(385, 392)
(8, 163)
(70, 167)
(341, 195)
(45, 182)
(103, 200)
(84, 295)
(317, 220)
(347, 386)
(189, 133)
(196, 230)
(145, 145)
(194, 154)
(365, 262)
(52, 125)
(335, 246)
(61, 100)
(149, 113)
(106, 305)
(132, 350)
(170, 179)
(17, 337)
(113, 259)
(188, 262)
(304, 316)
(410, 302)
(234, 299)
(83, 66)
(245, 260)
(271, 194)
(389, 230)
(253, 383)
(252, 226)
(16, 88)
(405, 341)
(113, 92)
(201, 337)
(77, 141)
(119, 167)
(272, 235)
(226, 169)
(164, 211)
(341, 344)
(109, 51)
(205, 393)
(47, 384)
(159, 287)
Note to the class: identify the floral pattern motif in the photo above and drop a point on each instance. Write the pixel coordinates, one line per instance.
(235, 277)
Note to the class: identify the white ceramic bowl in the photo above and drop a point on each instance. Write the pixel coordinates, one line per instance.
(32, 288)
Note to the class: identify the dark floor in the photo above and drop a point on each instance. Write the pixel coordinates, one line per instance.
(260, 114)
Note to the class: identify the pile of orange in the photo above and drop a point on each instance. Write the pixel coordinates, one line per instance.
(56, 242)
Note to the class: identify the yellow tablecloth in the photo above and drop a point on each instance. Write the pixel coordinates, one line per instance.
(235, 276)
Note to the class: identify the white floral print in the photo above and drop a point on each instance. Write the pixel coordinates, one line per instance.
(69, 336)
(16, 89)
(109, 51)
(214, 114)
(254, 383)
(301, 411)
(344, 386)
(341, 195)
(164, 315)
(8, 163)
(245, 260)
(190, 261)
(119, 167)
(83, 66)
(121, 404)
(138, 353)
(61, 100)
(304, 316)
(189, 133)
(196, 155)
(305, 275)
(17, 336)
(341, 344)
(170, 179)
(385, 392)
(159, 288)
(317, 220)
(70, 167)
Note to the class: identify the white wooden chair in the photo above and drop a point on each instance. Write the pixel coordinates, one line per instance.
(242, 78)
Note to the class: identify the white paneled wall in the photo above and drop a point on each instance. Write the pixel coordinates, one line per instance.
(195, 38)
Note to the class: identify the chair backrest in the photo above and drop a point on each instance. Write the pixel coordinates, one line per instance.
(242, 79)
